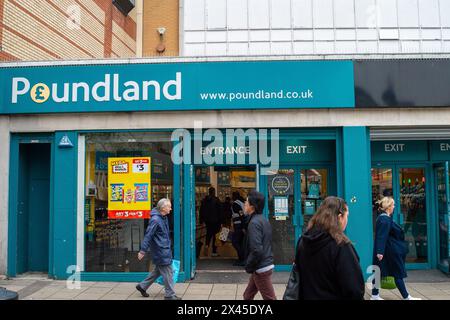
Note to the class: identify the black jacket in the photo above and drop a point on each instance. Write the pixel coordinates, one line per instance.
(390, 242)
(258, 243)
(211, 212)
(328, 271)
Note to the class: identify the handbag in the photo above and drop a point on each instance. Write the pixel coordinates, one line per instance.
(223, 236)
(388, 283)
(293, 285)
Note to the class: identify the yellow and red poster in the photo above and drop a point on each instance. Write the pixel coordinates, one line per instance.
(129, 188)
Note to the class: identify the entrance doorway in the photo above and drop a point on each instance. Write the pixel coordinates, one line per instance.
(408, 185)
(211, 253)
(33, 208)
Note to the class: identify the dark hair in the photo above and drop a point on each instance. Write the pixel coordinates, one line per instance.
(212, 191)
(256, 200)
(236, 195)
(326, 218)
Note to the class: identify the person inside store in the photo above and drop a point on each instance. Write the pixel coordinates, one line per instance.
(390, 249)
(227, 211)
(326, 260)
(157, 241)
(211, 215)
(238, 220)
(258, 249)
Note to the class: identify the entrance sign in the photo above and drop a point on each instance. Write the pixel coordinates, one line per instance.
(129, 188)
(229, 85)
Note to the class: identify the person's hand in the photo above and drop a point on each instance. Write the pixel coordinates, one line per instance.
(141, 255)
(380, 257)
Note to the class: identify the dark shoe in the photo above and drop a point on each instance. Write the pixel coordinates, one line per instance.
(172, 298)
(142, 291)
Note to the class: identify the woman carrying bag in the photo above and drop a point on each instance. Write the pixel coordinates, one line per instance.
(390, 249)
(327, 264)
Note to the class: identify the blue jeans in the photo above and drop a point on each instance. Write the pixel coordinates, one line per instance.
(400, 286)
(167, 273)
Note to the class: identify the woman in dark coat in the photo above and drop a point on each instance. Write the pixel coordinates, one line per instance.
(327, 262)
(390, 249)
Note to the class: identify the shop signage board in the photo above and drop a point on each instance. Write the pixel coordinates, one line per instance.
(295, 150)
(399, 150)
(440, 150)
(177, 86)
(129, 187)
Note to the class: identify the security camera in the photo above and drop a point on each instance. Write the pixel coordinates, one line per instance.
(161, 30)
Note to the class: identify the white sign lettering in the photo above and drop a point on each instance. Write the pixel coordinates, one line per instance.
(296, 149)
(445, 147)
(397, 147)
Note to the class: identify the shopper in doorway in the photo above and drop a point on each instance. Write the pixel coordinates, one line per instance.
(211, 215)
(326, 260)
(258, 245)
(237, 218)
(157, 240)
(390, 249)
(227, 211)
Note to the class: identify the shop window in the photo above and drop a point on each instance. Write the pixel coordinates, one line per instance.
(112, 243)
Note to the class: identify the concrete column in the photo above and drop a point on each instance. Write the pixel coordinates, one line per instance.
(357, 191)
(4, 195)
(139, 27)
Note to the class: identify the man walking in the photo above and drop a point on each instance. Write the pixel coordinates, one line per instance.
(211, 215)
(157, 239)
(259, 250)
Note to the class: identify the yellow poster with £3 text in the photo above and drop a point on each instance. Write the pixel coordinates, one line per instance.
(129, 188)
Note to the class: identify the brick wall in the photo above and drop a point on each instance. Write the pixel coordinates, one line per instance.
(65, 29)
(161, 13)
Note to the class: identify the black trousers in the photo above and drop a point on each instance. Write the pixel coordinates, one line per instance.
(211, 232)
(237, 240)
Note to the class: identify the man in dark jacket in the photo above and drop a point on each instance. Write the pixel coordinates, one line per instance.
(211, 215)
(157, 240)
(258, 244)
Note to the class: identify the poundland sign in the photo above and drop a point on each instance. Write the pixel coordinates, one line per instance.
(177, 86)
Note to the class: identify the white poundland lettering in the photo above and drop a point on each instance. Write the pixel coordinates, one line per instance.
(445, 147)
(296, 149)
(109, 88)
(396, 147)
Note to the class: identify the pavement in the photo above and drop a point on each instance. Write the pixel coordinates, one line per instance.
(428, 285)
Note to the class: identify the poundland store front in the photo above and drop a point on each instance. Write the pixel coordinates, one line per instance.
(92, 147)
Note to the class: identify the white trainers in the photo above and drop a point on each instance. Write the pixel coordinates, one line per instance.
(412, 298)
(377, 297)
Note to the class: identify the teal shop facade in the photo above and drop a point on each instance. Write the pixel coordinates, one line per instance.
(60, 123)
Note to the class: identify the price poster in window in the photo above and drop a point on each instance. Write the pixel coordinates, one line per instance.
(129, 188)
(281, 207)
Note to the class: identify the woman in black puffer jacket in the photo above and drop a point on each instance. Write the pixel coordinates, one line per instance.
(327, 261)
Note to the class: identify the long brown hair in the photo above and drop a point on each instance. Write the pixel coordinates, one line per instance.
(326, 218)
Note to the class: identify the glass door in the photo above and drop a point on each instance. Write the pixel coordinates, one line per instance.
(283, 213)
(441, 172)
(382, 186)
(412, 212)
(294, 194)
(407, 185)
(314, 189)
